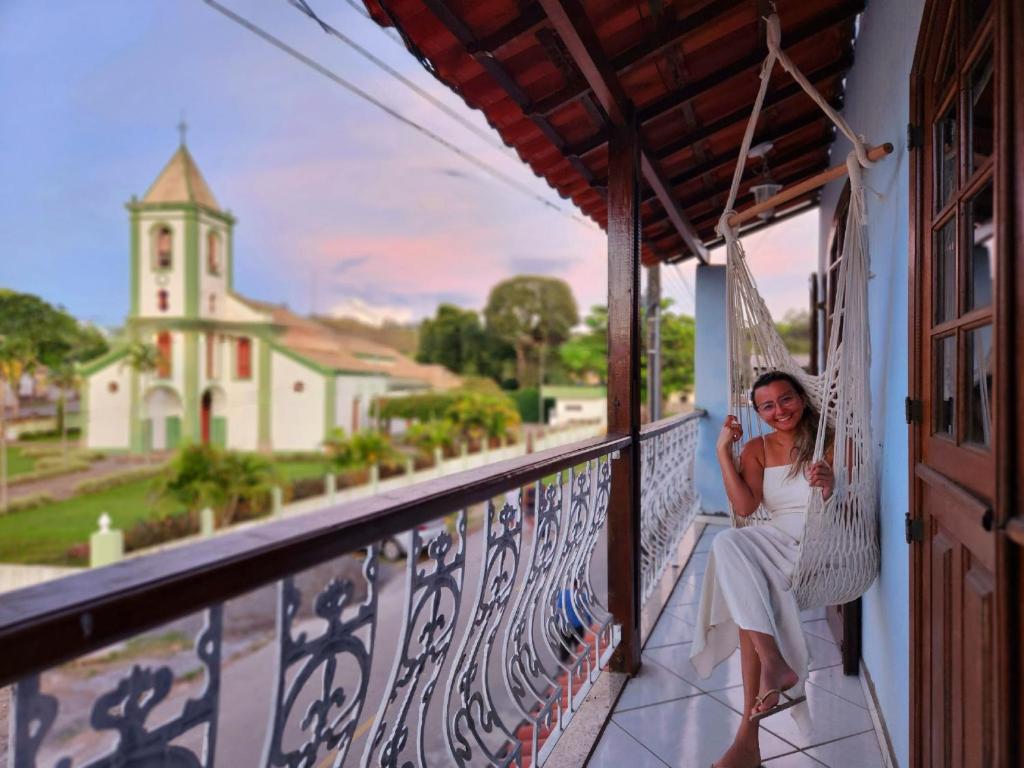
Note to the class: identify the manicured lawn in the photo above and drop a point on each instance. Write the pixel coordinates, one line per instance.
(294, 470)
(17, 462)
(43, 534)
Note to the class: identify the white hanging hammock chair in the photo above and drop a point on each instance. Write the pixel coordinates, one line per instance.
(839, 553)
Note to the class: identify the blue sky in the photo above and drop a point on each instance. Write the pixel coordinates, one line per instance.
(339, 207)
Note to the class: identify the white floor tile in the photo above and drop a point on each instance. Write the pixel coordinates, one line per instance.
(823, 653)
(832, 679)
(676, 659)
(819, 628)
(670, 631)
(831, 717)
(617, 748)
(691, 732)
(687, 613)
(793, 760)
(653, 685)
(855, 752)
(685, 592)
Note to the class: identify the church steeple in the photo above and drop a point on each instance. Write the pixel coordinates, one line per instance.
(181, 182)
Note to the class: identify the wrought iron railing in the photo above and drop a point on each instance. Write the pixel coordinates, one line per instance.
(478, 652)
(668, 496)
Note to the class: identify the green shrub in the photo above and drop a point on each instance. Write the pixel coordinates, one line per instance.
(160, 530)
(115, 479)
(48, 434)
(424, 407)
(307, 487)
(31, 501)
(287, 456)
(527, 405)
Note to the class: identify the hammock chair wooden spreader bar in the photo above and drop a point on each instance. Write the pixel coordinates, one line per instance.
(839, 552)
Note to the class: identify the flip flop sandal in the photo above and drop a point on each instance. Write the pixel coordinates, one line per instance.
(789, 702)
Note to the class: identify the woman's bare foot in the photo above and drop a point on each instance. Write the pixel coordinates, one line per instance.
(775, 674)
(744, 753)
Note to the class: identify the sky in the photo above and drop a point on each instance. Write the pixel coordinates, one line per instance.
(341, 209)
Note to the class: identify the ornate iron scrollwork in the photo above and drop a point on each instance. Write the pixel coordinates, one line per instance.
(426, 638)
(472, 719)
(332, 717)
(126, 709)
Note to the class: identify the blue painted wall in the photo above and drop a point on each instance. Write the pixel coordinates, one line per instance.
(878, 106)
(711, 385)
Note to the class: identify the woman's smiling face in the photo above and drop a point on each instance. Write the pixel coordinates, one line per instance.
(779, 405)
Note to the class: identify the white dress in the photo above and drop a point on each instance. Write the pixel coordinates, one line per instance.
(747, 584)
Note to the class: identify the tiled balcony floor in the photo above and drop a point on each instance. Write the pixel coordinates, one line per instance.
(667, 716)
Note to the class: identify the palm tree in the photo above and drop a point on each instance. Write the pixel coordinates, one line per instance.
(142, 358)
(64, 377)
(17, 355)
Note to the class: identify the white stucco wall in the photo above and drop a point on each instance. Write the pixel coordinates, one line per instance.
(108, 416)
(297, 418)
(172, 280)
(210, 284)
(568, 410)
(877, 105)
(159, 403)
(366, 388)
(242, 398)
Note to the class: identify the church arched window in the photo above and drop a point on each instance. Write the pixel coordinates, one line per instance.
(213, 255)
(163, 349)
(163, 248)
(213, 303)
(161, 300)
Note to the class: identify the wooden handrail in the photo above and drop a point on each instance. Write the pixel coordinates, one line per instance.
(793, 192)
(660, 427)
(48, 624)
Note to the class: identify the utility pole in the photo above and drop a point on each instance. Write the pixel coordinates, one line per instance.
(654, 341)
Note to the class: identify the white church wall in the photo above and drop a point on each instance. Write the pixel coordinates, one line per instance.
(297, 405)
(242, 398)
(109, 408)
(347, 390)
(152, 281)
(210, 284)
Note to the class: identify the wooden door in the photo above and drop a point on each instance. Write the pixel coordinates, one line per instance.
(964, 665)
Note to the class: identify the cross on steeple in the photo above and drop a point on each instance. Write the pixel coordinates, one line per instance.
(182, 129)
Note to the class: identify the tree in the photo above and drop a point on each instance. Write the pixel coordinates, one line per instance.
(17, 354)
(534, 315)
(57, 337)
(585, 355)
(795, 330)
(456, 339)
(65, 377)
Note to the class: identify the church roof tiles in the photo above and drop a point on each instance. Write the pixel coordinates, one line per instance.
(181, 182)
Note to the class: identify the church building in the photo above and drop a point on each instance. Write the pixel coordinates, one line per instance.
(230, 371)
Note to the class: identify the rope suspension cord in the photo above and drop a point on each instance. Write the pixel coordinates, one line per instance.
(839, 551)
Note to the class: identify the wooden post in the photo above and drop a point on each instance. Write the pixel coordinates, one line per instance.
(812, 329)
(654, 342)
(624, 391)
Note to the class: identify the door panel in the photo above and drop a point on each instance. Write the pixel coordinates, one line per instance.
(960, 369)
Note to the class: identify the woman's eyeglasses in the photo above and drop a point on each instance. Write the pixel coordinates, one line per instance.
(766, 409)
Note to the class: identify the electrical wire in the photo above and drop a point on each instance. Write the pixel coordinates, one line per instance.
(356, 90)
(304, 7)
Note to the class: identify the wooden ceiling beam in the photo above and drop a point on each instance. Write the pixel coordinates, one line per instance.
(693, 28)
(572, 24)
(528, 21)
(819, 78)
(715, 80)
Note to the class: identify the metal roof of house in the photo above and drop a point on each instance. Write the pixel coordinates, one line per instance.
(552, 77)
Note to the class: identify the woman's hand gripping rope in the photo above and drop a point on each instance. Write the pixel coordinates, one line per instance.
(821, 476)
(731, 433)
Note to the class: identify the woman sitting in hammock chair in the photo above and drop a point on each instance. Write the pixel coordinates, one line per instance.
(746, 597)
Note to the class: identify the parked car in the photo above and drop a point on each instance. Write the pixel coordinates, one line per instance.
(398, 546)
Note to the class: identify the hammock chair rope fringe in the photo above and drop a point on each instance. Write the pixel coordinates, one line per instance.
(839, 553)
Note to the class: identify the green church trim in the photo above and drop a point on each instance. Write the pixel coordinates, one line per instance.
(136, 263)
(330, 405)
(142, 207)
(191, 430)
(98, 364)
(191, 263)
(263, 436)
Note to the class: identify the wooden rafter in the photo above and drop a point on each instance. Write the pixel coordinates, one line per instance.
(572, 24)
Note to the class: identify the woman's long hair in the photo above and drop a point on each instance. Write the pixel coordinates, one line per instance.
(806, 429)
